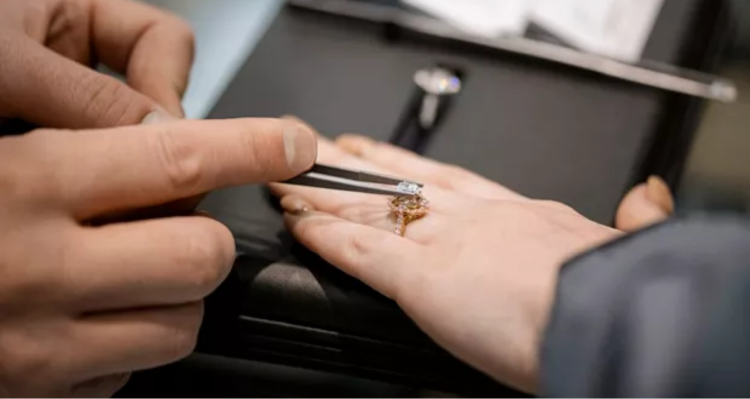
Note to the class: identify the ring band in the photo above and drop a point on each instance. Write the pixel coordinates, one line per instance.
(407, 210)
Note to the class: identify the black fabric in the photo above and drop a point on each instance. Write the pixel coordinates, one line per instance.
(663, 313)
(547, 131)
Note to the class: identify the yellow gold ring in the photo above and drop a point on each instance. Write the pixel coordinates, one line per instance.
(407, 210)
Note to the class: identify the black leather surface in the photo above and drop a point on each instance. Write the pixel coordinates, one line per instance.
(210, 376)
(547, 131)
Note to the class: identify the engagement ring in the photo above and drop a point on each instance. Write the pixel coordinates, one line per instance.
(407, 210)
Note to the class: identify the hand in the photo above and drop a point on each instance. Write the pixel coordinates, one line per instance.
(81, 305)
(477, 274)
(47, 47)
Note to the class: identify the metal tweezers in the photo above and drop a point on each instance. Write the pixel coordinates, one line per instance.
(329, 177)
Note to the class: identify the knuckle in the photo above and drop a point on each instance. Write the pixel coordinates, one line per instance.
(556, 205)
(451, 176)
(358, 247)
(177, 160)
(67, 18)
(103, 99)
(456, 171)
(258, 145)
(184, 31)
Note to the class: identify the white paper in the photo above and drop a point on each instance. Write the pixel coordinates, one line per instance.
(614, 28)
(488, 18)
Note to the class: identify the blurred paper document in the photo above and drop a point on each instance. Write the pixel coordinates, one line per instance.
(489, 18)
(613, 28)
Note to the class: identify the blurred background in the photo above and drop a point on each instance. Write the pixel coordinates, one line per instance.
(716, 174)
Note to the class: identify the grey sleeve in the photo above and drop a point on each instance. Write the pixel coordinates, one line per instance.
(665, 312)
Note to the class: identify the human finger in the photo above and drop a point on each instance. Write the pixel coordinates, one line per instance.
(646, 204)
(380, 259)
(333, 201)
(149, 263)
(97, 172)
(153, 48)
(121, 342)
(63, 26)
(403, 162)
(377, 215)
(50, 90)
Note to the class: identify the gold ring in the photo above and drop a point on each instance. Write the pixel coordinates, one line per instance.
(407, 210)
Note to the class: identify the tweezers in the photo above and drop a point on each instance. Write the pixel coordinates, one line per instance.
(329, 177)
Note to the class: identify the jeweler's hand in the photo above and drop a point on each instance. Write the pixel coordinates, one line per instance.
(81, 304)
(48, 46)
(477, 274)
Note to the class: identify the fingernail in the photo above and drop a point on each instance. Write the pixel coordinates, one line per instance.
(658, 192)
(295, 205)
(158, 116)
(300, 147)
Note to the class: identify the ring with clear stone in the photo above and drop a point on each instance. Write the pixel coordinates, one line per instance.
(407, 210)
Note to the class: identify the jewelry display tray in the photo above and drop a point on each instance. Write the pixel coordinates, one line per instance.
(544, 130)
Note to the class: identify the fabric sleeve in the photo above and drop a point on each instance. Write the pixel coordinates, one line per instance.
(664, 312)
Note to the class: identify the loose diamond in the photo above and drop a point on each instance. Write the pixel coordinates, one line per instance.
(408, 187)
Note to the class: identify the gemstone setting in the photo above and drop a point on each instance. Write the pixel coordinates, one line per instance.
(407, 209)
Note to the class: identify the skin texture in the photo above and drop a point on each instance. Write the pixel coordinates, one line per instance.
(477, 274)
(48, 46)
(82, 305)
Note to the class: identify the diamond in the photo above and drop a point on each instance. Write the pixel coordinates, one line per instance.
(408, 187)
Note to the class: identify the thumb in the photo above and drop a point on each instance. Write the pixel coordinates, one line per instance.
(52, 91)
(646, 204)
